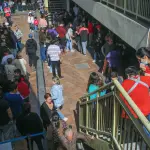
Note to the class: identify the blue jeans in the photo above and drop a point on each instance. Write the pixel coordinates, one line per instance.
(61, 116)
(84, 46)
(43, 52)
(69, 45)
(35, 28)
(19, 45)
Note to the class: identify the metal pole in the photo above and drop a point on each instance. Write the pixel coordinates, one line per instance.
(137, 9)
(138, 112)
(29, 142)
(87, 113)
(125, 6)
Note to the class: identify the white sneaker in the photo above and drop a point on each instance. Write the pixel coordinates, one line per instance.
(93, 61)
(72, 51)
(65, 119)
(48, 67)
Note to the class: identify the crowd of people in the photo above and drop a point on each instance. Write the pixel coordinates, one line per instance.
(67, 30)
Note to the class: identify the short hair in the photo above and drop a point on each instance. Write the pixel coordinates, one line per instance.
(19, 56)
(18, 71)
(12, 86)
(9, 60)
(47, 95)
(131, 71)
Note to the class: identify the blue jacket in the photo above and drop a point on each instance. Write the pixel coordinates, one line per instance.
(93, 88)
(57, 95)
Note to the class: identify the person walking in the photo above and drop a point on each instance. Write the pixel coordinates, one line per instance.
(31, 48)
(19, 36)
(31, 21)
(42, 40)
(57, 96)
(83, 32)
(54, 54)
(43, 22)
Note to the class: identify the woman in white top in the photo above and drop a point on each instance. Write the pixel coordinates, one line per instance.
(31, 21)
(20, 63)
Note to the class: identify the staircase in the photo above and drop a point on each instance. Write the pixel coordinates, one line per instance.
(55, 6)
(102, 119)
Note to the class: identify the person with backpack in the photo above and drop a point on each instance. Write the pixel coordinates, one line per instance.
(31, 48)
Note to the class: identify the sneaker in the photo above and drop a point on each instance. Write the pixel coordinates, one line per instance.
(72, 51)
(94, 61)
(65, 119)
(61, 77)
(48, 67)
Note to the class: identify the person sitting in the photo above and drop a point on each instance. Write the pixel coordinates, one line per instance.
(30, 123)
(14, 99)
(9, 69)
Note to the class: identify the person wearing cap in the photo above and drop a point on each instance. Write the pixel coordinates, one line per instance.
(31, 48)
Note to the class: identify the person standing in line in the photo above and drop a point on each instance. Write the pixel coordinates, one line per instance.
(57, 96)
(62, 35)
(9, 69)
(69, 36)
(31, 48)
(76, 10)
(36, 23)
(42, 40)
(31, 21)
(54, 54)
(43, 22)
(30, 123)
(83, 32)
(19, 36)
(91, 30)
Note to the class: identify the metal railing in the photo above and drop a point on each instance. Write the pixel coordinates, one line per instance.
(103, 118)
(138, 8)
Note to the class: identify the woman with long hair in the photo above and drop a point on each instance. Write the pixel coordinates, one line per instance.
(94, 83)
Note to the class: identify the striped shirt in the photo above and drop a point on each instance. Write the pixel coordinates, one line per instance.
(54, 52)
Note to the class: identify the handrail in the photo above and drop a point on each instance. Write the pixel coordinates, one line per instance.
(23, 137)
(138, 8)
(138, 112)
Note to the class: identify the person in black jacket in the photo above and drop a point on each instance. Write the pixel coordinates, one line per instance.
(29, 123)
(31, 47)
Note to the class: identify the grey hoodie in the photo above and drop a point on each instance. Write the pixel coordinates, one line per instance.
(57, 95)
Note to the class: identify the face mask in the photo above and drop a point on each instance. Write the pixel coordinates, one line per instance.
(144, 62)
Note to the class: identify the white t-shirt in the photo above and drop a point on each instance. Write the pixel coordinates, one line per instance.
(54, 52)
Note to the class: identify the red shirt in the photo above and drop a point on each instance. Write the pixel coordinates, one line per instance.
(36, 22)
(90, 27)
(23, 89)
(140, 95)
(61, 31)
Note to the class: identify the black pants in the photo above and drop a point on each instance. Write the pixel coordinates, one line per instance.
(56, 66)
(32, 59)
(38, 141)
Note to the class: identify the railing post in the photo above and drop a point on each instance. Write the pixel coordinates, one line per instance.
(79, 111)
(87, 114)
(125, 6)
(97, 112)
(115, 3)
(137, 9)
(29, 143)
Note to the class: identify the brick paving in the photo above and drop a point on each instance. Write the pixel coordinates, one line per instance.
(74, 82)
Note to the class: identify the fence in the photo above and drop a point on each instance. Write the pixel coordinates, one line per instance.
(137, 8)
(10, 143)
(103, 118)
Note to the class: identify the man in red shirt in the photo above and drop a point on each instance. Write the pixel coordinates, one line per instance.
(91, 30)
(62, 34)
(138, 89)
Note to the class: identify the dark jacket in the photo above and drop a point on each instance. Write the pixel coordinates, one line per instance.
(31, 46)
(29, 123)
(42, 38)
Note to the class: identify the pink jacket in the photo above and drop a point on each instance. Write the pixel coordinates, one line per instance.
(42, 23)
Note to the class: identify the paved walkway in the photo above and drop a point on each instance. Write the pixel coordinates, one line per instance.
(74, 82)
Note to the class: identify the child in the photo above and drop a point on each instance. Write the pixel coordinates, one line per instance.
(36, 23)
(57, 96)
